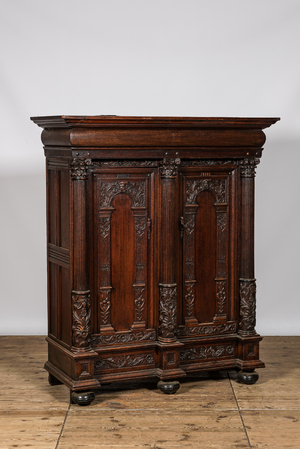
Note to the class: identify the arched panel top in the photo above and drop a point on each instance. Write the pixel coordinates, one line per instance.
(216, 186)
(136, 191)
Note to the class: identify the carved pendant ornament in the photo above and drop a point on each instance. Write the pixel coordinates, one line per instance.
(81, 324)
(105, 305)
(168, 310)
(79, 168)
(139, 301)
(190, 298)
(247, 306)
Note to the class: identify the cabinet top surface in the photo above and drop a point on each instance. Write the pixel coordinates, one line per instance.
(72, 121)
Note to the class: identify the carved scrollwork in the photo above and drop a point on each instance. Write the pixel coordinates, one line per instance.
(216, 186)
(81, 323)
(248, 166)
(206, 352)
(169, 167)
(206, 329)
(125, 361)
(168, 310)
(79, 168)
(136, 190)
(124, 337)
(247, 306)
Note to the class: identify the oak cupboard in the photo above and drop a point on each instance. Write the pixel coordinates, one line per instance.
(150, 248)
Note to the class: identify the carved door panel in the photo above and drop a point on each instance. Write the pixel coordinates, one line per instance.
(122, 218)
(207, 226)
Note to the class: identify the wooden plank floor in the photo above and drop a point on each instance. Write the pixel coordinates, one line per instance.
(204, 413)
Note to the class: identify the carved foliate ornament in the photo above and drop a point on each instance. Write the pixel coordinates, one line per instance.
(139, 301)
(81, 319)
(136, 190)
(168, 310)
(105, 305)
(169, 167)
(79, 168)
(216, 186)
(247, 306)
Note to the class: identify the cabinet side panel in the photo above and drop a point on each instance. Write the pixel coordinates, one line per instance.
(65, 306)
(65, 209)
(123, 256)
(53, 192)
(54, 306)
(206, 253)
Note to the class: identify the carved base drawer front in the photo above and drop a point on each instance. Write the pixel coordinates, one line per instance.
(150, 248)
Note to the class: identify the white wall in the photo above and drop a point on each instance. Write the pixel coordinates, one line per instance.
(158, 57)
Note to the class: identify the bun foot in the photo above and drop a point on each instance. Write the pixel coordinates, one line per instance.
(247, 377)
(168, 387)
(82, 398)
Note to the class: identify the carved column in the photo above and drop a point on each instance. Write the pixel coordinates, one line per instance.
(81, 301)
(247, 280)
(168, 286)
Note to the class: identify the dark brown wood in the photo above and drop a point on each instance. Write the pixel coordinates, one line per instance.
(150, 248)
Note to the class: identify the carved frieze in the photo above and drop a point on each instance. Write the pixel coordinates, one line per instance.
(167, 310)
(169, 167)
(79, 168)
(81, 319)
(124, 337)
(124, 361)
(206, 352)
(247, 306)
(196, 186)
(197, 162)
(206, 329)
(136, 190)
(126, 163)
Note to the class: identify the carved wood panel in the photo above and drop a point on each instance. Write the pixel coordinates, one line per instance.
(194, 184)
(110, 190)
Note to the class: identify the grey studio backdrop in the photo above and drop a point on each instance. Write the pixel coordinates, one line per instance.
(159, 57)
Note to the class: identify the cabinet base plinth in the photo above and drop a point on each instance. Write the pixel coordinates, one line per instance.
(168, 387)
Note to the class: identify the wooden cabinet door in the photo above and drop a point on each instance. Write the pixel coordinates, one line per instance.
(208, 225)
(123, 248)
